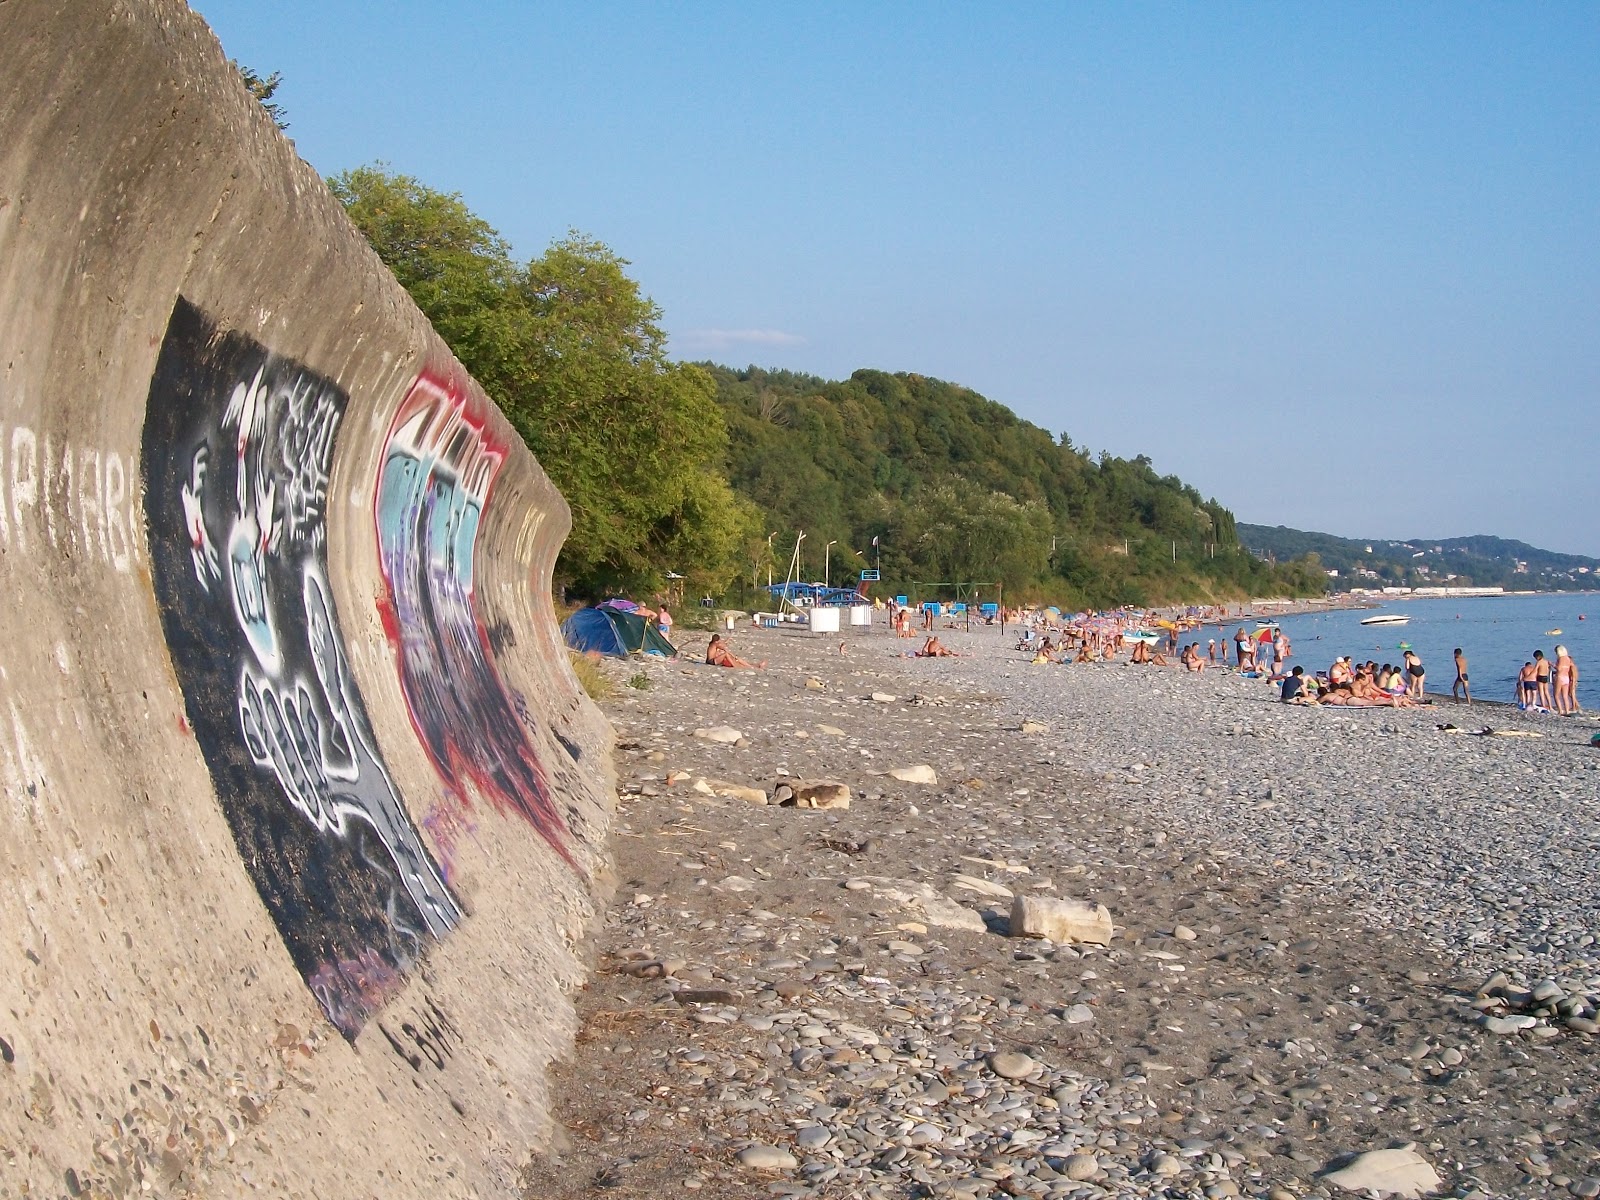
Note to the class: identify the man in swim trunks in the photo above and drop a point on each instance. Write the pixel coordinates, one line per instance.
(1541, 676)
(1461, 684)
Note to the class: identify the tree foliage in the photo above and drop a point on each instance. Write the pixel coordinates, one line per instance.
(263, 89)
(960, 490)
(575, 356)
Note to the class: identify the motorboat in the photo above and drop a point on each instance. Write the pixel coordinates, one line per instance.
(1385, 619)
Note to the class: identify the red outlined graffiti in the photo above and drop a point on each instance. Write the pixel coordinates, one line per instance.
(439, 465)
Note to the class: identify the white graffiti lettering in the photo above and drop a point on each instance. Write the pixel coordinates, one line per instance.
(79, 494)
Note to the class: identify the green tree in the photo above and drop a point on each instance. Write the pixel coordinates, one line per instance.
(575, 356)
(263, 90)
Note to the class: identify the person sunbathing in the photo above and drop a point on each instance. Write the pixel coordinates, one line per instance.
(934, 648)
(718, 655)
(1141, 653)
(1191, 658)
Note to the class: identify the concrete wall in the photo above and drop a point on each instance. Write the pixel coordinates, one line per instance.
(304, 812)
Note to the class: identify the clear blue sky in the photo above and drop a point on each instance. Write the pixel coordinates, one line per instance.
(1335, 265)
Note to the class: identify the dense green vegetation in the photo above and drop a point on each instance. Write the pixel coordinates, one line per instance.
(1477, 561)
(677, 467)
(959, 490)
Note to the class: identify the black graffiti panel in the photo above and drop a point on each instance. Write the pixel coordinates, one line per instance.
(238, 445)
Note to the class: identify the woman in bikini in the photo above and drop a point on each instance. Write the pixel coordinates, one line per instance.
(718, 655)
(1566, 696)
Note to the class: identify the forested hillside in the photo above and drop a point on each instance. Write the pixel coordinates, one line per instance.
(958, 489)
(1476, 561)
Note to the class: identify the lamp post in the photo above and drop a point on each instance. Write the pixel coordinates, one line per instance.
(770, 536)
(827, 579)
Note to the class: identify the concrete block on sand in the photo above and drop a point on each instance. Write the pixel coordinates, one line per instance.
(1387, 1173)
(793, 793)
(1060, 920)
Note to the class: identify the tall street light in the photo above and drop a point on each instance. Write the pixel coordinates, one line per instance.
(827, 579)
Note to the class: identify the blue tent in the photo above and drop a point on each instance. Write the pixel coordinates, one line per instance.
(613, 632)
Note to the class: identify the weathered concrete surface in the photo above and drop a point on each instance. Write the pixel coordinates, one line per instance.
(304, 812)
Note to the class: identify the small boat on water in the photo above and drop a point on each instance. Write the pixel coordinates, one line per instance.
(1386, 619)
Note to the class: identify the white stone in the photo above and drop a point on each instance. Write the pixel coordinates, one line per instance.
(921, 773)
(884, 697)
(1388, 1173)
(1082, 1167)
(730, 791)
(767, 1158)
(1010, 1064)
(725, 734)
(984, 887)
(1060, 920)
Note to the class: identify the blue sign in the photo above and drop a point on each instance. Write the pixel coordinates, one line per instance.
(870, 577)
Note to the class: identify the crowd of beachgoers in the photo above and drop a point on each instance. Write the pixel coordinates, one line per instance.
(1261, 651)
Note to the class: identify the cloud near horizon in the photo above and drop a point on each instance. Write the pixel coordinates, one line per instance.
(726, 339)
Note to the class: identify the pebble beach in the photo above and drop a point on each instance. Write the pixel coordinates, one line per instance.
(1346, 952)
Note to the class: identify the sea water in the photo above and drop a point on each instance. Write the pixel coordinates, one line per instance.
(1497, 633)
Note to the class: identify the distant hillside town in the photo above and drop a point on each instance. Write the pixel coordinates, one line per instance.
(1426, 566)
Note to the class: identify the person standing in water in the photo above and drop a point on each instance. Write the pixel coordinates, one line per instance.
(1461, 685)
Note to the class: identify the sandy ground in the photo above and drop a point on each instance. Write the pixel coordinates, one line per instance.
(768, 977)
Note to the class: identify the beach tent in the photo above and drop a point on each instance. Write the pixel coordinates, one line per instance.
(611, 631)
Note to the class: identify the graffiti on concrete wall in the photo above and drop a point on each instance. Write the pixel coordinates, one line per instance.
(439, 465)
(238, 444)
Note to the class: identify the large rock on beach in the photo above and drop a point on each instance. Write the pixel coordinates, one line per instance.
(1060, 920)
(1397, 1172)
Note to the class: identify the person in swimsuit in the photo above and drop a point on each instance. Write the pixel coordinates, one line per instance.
(1527, 687)
(1240, 642)
(1461, 684)
(1417, 674)
(1541, 676)
(718, 655)
(1566, 696)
